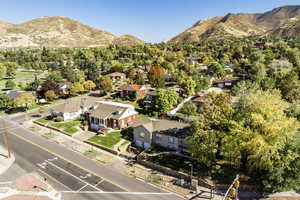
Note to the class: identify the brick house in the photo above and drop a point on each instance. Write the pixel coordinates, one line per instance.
(111, 114)
(133, 90)
(116, 76)
(165, 133)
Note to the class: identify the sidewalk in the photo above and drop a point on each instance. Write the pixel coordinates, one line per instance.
(5, 162)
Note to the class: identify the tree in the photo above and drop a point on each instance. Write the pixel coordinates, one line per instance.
(189, 86)
(76, 88)
(89, 85)
(50, 95)
(215, 70)
(189, 108)
(24, 100)
(106, 84)
(156, 76)
(265, 129)
(165, 100)
(35, 84)
(5, 101)
(2, 70)
(202, 83)
(11, 68)
(212, 126)
(10, 85)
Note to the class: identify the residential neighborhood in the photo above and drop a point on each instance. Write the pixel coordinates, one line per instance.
(212, 113)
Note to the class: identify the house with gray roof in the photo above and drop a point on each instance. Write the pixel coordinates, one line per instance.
(166, 133)
(111, 114)
(73, 109)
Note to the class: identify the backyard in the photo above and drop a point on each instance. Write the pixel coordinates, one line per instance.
(69, 127)
(109, 140)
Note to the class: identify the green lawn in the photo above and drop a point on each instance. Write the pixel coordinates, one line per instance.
(109, 140)
(69, 127)
(24, 77)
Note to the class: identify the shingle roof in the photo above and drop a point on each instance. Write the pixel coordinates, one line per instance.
(74, 105)
(116, 74)
(15, 94)
(167, 127)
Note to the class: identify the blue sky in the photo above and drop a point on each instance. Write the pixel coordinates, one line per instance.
(150, 20)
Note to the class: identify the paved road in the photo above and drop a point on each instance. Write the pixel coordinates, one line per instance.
(74, 172)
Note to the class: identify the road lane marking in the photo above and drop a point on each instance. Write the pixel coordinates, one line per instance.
(65, 159)
(82, 187)
(63, 170)
(99, 182)
(54, 179)
(128, 193)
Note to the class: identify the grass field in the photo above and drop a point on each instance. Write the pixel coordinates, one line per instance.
(22, 77)
(109, 140)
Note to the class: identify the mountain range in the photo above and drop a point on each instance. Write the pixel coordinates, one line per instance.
(58, 32)
(64, 32)
(282, 21)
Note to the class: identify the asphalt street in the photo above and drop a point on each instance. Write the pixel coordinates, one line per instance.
(76, 175)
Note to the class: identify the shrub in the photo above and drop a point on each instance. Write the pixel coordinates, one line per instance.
(127, 133)
(189, 108)
(59, 119)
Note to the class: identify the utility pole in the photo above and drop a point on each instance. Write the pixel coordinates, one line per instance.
(5, 135)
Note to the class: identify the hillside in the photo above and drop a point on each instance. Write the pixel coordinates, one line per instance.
(127, 40)
(238, 25)
(52, 32)
(291, 28)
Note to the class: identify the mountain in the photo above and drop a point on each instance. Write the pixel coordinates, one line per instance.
(291, 28)
(238, 25)
(127, 40)
(52, 32)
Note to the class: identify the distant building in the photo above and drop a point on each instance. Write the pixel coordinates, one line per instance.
(116, 76)
(14, 94)
(63, 87)
(111, 114)
(130, 90)
(224, 83)
(165, 133)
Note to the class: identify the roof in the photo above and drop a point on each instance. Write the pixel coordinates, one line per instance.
(166, 127)
(61, 84)
(225, 80)
(74, 105)
(111, 110)
(116, 74)
(199, 99)
(134, 87)
(15, 94)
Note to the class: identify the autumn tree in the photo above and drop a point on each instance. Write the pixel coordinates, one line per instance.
(51, 95)
(89, 85)
(189, 86)
(156, 76)
(76, 88)
(24, 100)
(105, 84)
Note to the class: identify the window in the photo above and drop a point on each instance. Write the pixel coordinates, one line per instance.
(171, 140)
(142, 134)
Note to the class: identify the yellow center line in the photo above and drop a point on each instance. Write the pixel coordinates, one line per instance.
(63, 158)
